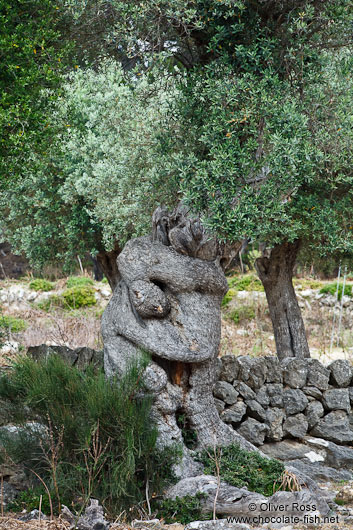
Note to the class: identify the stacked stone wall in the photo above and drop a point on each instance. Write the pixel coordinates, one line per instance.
(267, 401)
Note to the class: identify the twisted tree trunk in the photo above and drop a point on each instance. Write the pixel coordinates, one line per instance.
(276, 273)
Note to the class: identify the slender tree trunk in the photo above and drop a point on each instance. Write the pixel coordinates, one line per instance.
(276, 273)
(108, 264)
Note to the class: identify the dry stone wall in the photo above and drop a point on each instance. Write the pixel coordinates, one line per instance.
(265, 400)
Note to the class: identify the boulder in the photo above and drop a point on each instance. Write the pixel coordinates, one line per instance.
(319, 472)
(337, 399)
(236, 501)
(341, 372)
(314, 411)
(285, 450)
(9, 494)
(275, 393)
(92, 519)
(295, 372)
(295, 426)
(235, 413)
(253, 431)
(220, 405)
(350, 390)
(274, 420)
(258, 372)
(226, 392)
(334, 427)
(274, 370)
(294, 401)
(79, 357)
(34, 515)
(244, 390)
(229, 368)
(312, 391)
(255, 410)
(262, 396)
(318, 375)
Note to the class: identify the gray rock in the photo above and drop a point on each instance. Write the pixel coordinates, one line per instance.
(79, 357)
(337, 456)
(320, 472)
(258, 372)
(92, 519)
(275, 417)
(226, 392)
(312, 391)
(219, 524)
(275, 393)
(230, 368)
(337, 399)
(220, 405)
(253, 431)
(244, 363)
(9, 494)
(274, 370)
(296, 426)
(244, 390)
(341, 372)
(318, 375)
(314, 411)
(350, 390)
(334, 427)
(235, 413)
(294, 401)
(262, 396)
(236, 501)
(255, 410)
(295, 372)
(32, 516)
(286, 450)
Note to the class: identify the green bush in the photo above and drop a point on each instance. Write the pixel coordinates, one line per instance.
(100, 432)
(242, 468)
(248, 282)
(41, 285)
(331, 288)
(182, 510)
(242, 313)
(12, 324)
(52, 302)
(76, 297)
(228, 297)
(78, 281)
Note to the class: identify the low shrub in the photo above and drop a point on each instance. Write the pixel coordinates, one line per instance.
(242, 313)
(331, 288)
(12, 324)
(40, 284)
(248, 282)
(76, 297)
(52, 302)
(95, 437)
(243, 468)
(228, 297)
(78, 281)
(182, 510)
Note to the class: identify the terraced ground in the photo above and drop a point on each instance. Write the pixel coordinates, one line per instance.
(68, 311)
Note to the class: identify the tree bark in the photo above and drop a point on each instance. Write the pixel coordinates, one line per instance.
(108, 264)
(276, 273)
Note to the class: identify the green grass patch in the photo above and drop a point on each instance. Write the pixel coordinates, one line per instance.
(308, 283)
(248, 282)
(78, 281)
(331, 288)
(40, 284)
(242, 313)
(12, 324)
(99, 433)
(243, 468)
